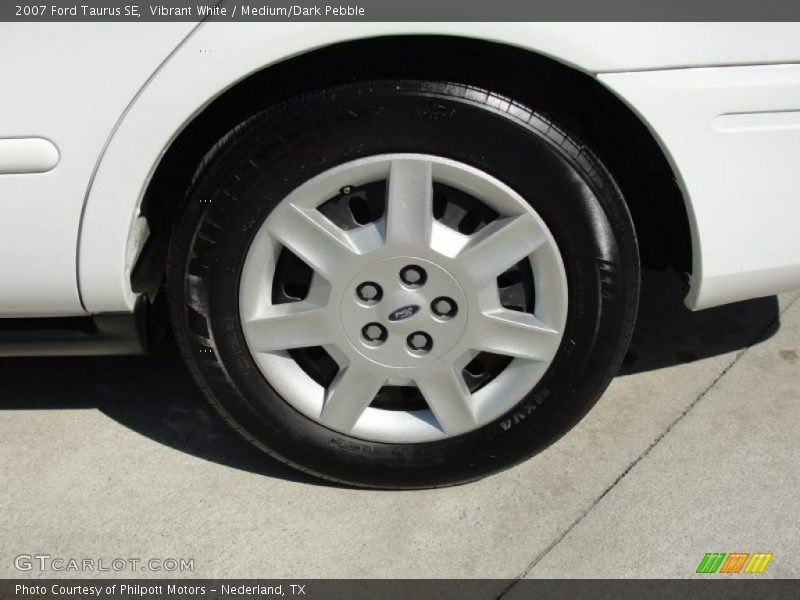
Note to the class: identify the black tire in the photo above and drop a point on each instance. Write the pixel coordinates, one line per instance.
(256, 164)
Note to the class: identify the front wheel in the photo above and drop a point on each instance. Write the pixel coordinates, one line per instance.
(403, 284)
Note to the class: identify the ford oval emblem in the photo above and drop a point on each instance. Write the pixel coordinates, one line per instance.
(404, 313)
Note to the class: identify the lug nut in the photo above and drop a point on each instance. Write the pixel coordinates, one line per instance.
(374, 333)
(369, 292)
(419, 341)
(444, 307)
(413, 275)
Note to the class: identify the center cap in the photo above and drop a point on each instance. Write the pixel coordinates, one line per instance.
(403, 312)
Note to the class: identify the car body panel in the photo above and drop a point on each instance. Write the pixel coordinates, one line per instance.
(125, 91)
(68, 84)
(733, 135)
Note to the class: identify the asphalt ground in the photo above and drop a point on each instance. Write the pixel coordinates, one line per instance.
(693, 449)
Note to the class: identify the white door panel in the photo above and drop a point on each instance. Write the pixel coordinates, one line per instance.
(69, 84)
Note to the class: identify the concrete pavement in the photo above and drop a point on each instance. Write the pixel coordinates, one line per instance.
(693, 449)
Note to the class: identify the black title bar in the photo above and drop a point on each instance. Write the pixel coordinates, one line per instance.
(398, 10)
(713, 588)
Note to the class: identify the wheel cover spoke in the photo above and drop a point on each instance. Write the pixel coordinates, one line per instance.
(447, 395)
(288, 326)
(501, 245)
(518, 334)
(317, 241)
(349, 395)
(409, 205)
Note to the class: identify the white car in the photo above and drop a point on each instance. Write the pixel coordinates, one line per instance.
(395, 255)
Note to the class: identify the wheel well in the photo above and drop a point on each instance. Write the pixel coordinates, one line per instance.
(569, 97)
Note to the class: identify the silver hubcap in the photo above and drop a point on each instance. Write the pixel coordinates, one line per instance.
(404, 300)
(405, 312)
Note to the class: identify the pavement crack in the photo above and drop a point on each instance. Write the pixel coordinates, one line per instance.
(760, 336)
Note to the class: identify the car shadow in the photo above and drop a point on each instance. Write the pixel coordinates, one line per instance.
(667, 333)
(154, 395)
